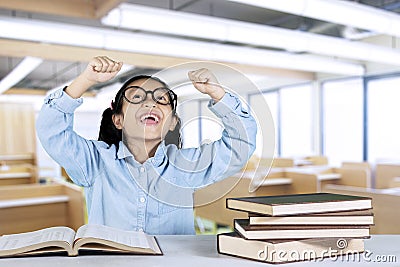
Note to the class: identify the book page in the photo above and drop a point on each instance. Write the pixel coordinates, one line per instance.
(16, 241)
(128, 238)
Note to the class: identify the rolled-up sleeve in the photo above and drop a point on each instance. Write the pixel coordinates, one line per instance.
(54, 127)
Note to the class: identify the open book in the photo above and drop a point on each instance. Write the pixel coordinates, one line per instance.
(88, 237)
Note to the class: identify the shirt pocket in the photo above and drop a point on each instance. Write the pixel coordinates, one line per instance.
(172, 196)
(165, 208)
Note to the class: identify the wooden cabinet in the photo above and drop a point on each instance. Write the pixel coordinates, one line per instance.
(34, 206)
(18, 169)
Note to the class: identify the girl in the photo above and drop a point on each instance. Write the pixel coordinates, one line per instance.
(135, 176)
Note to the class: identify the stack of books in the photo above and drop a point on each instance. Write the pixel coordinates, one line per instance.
(298, 227)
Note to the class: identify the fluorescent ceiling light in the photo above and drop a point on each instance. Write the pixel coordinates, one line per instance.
(192, 25)
(41, 31)
(159, 20)
(26, 66)
(339, 12)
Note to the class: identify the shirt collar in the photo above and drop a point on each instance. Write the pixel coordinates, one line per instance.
(123, 152)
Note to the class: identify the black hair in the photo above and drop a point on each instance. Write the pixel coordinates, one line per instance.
(111, 135)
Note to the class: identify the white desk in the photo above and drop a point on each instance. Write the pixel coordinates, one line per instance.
(9, 175)
(190, 251)
(276, 181)
(329, 176)
(20, 202)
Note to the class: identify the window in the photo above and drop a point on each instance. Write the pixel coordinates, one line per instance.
(265, 111)
(383, 116)
(342, 113)
(188, 112)
(296, 121)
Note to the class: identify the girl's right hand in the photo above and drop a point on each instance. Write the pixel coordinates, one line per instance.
(101, 69)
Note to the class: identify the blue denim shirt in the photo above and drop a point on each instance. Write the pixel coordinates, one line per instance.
(156, 196)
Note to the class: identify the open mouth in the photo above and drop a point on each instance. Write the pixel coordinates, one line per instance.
(150, 119)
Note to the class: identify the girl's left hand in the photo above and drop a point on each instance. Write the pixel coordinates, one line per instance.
(206, 82)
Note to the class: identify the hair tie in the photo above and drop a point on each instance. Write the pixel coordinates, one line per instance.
(111, 105)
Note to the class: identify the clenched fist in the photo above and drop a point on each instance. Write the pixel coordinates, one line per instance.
(205, 81)
(102, 69)
(99, 69)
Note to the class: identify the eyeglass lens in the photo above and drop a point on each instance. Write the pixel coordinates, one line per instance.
(138, 95)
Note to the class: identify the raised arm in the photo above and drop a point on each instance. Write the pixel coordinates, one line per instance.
(226, 156)
(54, 125)
(99, 69)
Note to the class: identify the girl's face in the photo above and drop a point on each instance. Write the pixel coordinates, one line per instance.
(148, 121)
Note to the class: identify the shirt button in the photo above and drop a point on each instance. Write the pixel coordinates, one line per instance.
(142, 199)
(140, 229)
(142, 169)
(57, 94)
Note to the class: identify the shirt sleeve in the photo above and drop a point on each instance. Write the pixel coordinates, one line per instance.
(215, 161)
(54, 127)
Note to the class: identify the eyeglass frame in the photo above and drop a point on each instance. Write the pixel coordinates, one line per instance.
(172, 96)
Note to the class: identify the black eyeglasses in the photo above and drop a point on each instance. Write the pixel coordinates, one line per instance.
(162, 95)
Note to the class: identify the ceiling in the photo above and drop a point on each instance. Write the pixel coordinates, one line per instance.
(63, 63)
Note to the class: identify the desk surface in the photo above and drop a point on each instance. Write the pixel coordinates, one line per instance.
(7, 175)
(329, 176)
(276, 181)
(189, 251)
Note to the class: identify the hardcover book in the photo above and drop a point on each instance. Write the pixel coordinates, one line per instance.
(362, 217)
(248, 231)
(299, 203)
(94, 238)
(283, 251)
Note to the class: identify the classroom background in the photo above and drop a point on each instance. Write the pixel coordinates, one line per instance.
(326, 91)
